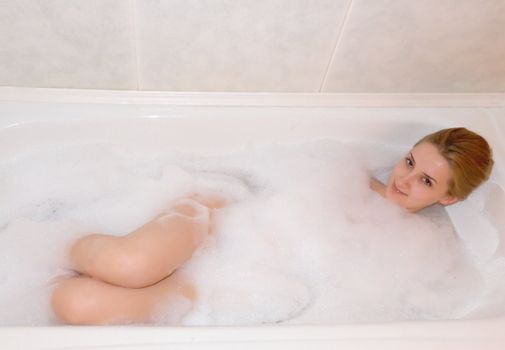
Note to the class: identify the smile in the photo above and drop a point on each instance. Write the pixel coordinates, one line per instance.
(397, 190)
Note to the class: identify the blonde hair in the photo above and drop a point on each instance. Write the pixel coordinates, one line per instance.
(469, 155)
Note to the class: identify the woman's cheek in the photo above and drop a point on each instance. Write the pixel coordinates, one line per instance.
(398, 170)
(418, 194)
(426, 196)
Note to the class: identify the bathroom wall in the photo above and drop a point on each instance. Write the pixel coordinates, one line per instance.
(255, 45)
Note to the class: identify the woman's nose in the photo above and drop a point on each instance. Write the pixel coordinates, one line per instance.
(404, 181)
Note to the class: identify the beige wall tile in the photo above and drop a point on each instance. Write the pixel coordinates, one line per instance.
(237, 45)
(421, 46)
(60, 43)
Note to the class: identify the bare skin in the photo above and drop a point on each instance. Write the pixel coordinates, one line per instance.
(418, 180)
(378, 187)
(126, 279)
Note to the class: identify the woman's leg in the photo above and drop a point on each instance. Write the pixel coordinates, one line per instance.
(88, 301)
(153, 251)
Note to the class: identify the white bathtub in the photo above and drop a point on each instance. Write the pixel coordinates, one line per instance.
(224, 123)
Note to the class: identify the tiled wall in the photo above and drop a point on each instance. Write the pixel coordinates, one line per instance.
(255, 45)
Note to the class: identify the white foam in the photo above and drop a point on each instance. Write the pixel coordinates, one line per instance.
(172, 312)
(304, 241)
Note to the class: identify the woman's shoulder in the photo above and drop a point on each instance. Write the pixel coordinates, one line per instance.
(378, 186)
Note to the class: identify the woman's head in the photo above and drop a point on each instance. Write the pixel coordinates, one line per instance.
(442, 167)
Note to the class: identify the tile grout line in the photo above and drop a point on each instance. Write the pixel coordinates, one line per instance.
(135, 39)
(337, 44)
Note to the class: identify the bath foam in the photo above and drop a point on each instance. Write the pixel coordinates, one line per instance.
(171, 313)
(361, 258)
(304, 240)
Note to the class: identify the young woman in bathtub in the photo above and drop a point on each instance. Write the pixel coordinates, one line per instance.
(127, 279)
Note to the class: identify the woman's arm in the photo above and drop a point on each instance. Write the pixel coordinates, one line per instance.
(378, 187)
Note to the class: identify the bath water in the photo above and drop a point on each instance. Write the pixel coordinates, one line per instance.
(304, 239)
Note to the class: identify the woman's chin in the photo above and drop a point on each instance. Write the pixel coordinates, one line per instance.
(398, 199)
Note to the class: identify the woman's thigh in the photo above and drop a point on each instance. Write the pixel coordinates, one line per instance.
(146, 255)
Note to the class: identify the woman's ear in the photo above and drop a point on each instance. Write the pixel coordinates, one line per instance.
(448, 200)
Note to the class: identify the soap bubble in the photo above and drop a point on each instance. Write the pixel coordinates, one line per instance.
(303, 241)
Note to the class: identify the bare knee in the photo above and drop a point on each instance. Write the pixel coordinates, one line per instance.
(74, 303)
(88, 251)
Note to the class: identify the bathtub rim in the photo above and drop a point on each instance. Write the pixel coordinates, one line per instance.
(453, 334)
(289, 99)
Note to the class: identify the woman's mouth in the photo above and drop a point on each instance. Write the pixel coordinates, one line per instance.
(397, 190)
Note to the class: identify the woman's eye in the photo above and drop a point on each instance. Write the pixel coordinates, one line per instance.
(427, 181)
(409, 162)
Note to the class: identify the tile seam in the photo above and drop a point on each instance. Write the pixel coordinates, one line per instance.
(135, 39)
(336, 46)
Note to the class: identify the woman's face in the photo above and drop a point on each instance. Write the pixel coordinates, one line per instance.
(420, 179)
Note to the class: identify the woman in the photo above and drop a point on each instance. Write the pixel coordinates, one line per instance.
(443, 167)
(129, 278)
